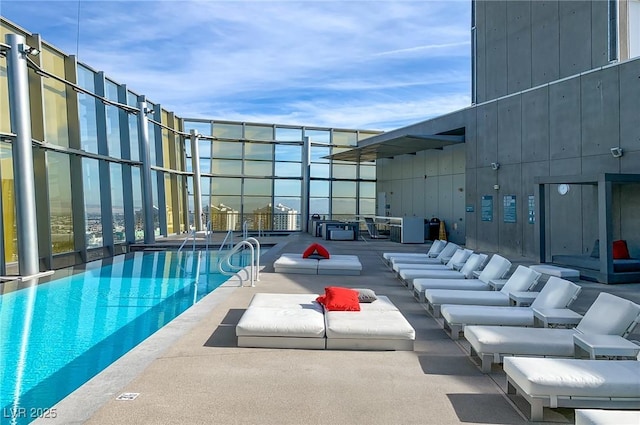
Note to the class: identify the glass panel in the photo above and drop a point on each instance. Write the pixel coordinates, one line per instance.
(226, 166)
(262, 151)
(92, 202)
(345, 138)
(227, 131)
(367, 206)
(226, 186)
(87, 111)
(288, 169)
(288, 134)
(204, 148)
(166, 143)
(257, 187)
(254, 205)
(205, 165)
(344, 189)
(319, 170)
(344, 171)
(319, 136)
(55, 100)
(319, 188)
(169, 200)
(5, 120)
(117, 203)
(152, 136)
(318, 152)
(366, 134)
(205, 186)
(258, 168)
(59, 182)
(258, 132)
(319, 206)
(9, 232)
(113, 120)
(180, 180)
(367, 190)
(368, 172)
(343, 206)
(203, 128)
(224, 213)
(232, 150)
(289, 153)
(286, 216)
(137, 203)
(132, 100)
(156, 203)
(287, 187)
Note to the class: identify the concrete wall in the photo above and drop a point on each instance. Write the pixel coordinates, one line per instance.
(523, 44)
(563, 128)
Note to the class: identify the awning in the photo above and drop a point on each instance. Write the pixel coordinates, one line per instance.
(400, 145)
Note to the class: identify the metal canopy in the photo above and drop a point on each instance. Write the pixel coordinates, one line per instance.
(400, 145)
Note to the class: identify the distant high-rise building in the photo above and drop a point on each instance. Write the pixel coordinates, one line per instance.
(285, 218)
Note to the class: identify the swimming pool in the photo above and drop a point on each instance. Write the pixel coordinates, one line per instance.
(55, 336)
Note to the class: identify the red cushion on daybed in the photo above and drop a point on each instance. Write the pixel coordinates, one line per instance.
(315, 248)
(336, 298)
(620, 250)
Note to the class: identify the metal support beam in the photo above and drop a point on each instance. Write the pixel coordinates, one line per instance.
(197, 194)
(145, 171)
(24, 181)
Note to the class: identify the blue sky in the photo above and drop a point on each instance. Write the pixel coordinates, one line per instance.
(349, 64)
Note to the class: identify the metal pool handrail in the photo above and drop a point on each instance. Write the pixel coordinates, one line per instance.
(227, 260)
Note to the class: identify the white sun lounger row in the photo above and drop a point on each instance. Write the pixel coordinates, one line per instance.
(436, 248)
(299, 321)
(346, 265)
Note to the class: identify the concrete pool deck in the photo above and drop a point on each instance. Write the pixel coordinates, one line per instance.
(192, 372)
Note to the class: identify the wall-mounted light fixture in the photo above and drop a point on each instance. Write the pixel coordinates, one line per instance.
(30, 50)
(616, 152)
(495, 165)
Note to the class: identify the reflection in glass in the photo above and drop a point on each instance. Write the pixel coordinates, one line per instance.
(230, 150)
(136, 181)
(263, 151)
(349, 138)
(113, 120)
(59, 182)
(168, 197)
(226, 166)
(132, 100)
(9, 232)
(55, 99)
(258, 168)
(258, 132)
(226, 186)
(92, 203)
(227, 131)
(87, 111)
(117, 203)
(260, 187)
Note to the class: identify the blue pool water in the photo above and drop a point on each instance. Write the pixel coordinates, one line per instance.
(55, 336)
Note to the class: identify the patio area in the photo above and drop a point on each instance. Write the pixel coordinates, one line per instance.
(192, 371)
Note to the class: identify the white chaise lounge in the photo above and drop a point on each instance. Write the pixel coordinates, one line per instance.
(556, 293)
(574, 383)
(299, 321)
(436, 247)
(608, 315)
(522, 279)
(335, 265)
(496, 268)
(442, 258)
(462, 270)
(607, 417)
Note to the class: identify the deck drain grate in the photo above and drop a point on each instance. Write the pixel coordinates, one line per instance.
(127, 396)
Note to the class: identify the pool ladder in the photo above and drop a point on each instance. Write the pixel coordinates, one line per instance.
(253, 272)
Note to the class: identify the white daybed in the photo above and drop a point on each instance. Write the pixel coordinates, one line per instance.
(546, 382)
(496, 268)
(334, 265)
(607, 417)
(608, 315)
(452, 270)
(557, 293)
(299, 321)
(522, 279)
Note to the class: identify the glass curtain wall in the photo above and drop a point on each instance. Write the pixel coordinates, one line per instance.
(89, 176)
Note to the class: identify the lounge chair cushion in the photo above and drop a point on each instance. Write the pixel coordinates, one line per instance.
(337, 298)
(575, 377)
(421, 284)
(524, 341)
(487, 315)
(607, 417)
(294, 263)
(609, 315)
(448, 296)
(366, 295)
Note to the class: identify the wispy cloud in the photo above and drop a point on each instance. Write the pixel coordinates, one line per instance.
(355, 64)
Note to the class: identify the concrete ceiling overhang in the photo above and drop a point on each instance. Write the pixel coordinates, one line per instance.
(400, 145)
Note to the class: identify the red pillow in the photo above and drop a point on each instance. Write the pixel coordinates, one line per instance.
(339, 299)
(322, 251)
(315, 248)
(310, 250)
(620, 250)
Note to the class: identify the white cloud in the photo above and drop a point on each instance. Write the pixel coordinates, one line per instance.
(354, 64)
